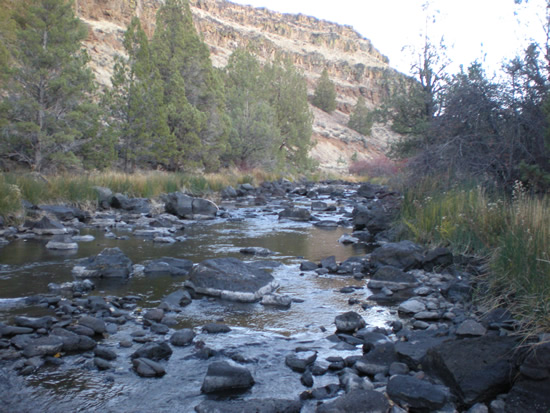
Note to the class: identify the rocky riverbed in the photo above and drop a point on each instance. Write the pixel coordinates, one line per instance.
(287, 297)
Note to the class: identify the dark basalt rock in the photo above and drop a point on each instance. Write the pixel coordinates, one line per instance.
(134, 205)
(349, 322)
(357, 401)
(223, 376)
(404, 255)
(299, 361)
(186, 207)
(153, 351)
(476, 369)
(148, 368)
(65, 213)
(295, 214)
(43, 346)
(231, 279)
(110, 263)
(418, 395)
(176, 300)
(182, 337)
(216, 328)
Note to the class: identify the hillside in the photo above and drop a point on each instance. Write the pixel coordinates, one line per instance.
(354, 64)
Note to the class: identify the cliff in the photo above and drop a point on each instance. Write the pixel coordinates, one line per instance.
(354, 64)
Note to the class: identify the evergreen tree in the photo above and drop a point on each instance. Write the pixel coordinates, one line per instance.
(287, 94)
(254, 135)
(137, 116)
(199, 122)
(47, 111)
(361, 119)
(325, 93)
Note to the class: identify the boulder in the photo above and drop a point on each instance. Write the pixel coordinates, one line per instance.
(216, 328)
(368, 190)
(475, 369)
(65, 213)
(392, 274)
(167, 266)
(182, 337)
(357, 401)
(413, 351)
(264, 252)
(300, 361)
(148, 368)
(174, 301)
(223, 376)
(153, 351)
(329, 263)
(110, 263)
(308, 266)
(73, 342)
(374, 218)
(43, 346)
(418, 395)
(228, 192)
(276, 300)
(377, 361)
(349, 322)
(230, 279)
(404, 255)
(134, 205)
(34, 322)
(96, 324)
(295, 214)
(47, 226)
(62, 243)
(187, 207)
(104, 196)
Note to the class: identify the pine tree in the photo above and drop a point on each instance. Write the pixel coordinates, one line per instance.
(287, 94)
(325, 93)
(255, 135)
(47, 110)
(361, 119)
(199, 121)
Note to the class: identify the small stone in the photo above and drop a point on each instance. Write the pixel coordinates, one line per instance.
(471, 328)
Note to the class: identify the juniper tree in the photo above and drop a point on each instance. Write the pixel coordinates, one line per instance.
(136, 115)
(193, 89)
(47, 109)
(325, 93)
(361, 119)
(255, 135)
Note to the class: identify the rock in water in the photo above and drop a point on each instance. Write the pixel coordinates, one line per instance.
(349, 322)
(230, 279)
(110, 263)
(148, 368)
(223, 376)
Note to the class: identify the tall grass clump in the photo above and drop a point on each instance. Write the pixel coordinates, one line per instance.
(511, 233)
(10, 199)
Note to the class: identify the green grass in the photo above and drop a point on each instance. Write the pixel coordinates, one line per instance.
(512, 233)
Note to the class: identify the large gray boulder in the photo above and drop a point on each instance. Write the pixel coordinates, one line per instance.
(404, 255)
(476, 369)
(187, 207)
(418, 395)
(223, 376)
(109, 263)
(230, 279)
(349, 322)
(295, 214)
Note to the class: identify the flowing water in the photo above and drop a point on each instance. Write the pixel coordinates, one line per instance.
(261, 336)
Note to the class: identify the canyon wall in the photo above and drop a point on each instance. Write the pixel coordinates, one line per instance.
(353, 63)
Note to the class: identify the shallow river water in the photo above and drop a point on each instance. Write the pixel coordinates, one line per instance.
(260, 337)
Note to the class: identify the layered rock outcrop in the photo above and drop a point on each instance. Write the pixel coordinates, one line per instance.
(355, 66)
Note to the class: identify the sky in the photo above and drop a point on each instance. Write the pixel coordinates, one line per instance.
(486, 30)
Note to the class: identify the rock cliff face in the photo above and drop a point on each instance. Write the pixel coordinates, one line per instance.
(353, 63)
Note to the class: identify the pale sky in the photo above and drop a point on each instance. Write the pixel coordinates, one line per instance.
(487, 30)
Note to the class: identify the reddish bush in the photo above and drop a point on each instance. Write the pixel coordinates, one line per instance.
(378, 166)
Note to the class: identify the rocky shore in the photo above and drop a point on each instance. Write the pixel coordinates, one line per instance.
(438, 353)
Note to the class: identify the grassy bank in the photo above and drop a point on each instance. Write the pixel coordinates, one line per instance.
(79, 189)
(512, 233)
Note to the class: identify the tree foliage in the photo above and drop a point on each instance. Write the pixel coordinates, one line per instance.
(47, 109)
(361, 119)
(137, 117)
(194, 90)
(325, 93)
